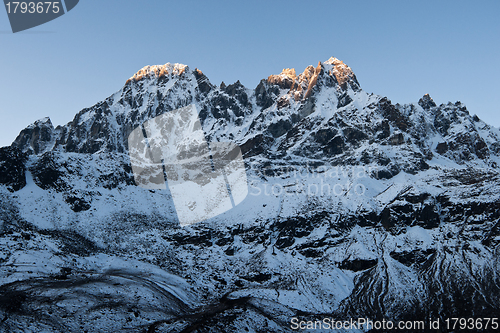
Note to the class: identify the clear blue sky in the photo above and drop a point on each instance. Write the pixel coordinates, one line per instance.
(399, 49)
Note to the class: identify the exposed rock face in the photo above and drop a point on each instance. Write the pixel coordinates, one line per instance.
(36, 138)
(332, 73)
(12, 168)
(426, 102)
(158, 71)
(358, 207)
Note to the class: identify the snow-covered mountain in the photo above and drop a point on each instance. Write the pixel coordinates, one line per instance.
(357, 207)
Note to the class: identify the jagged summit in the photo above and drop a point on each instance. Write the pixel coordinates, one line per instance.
(280, 116)
(301, 85)
(36, 137)
(334, 61)
(45, 121)
(426, 102)
(342, 72)
(158, 71)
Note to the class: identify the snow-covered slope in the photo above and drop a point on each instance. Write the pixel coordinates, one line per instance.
(357, 207)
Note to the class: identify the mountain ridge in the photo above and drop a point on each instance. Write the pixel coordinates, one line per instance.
(357, 207)
(300, 89)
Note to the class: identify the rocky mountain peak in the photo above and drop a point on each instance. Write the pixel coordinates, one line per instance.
(342, 73)
(332, 72)
(43, 122)
(158, 71)
(426, 102)
(36, 137)
(285, 80)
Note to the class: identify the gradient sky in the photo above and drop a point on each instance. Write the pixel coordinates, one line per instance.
(399, 49)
